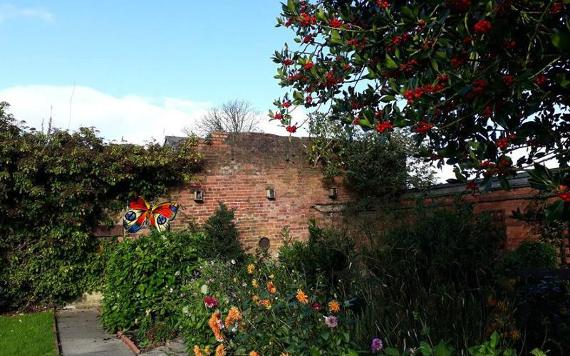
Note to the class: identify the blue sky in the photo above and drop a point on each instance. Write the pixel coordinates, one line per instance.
(112, 63)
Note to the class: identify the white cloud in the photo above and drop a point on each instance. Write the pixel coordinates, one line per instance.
(132, 118)
(9, 12)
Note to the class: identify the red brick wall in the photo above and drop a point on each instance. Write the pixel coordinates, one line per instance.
(237, 171)
(239, 168)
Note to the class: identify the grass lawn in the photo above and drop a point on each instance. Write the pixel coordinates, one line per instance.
(28, 334)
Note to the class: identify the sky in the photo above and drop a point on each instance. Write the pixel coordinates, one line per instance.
(137, 70)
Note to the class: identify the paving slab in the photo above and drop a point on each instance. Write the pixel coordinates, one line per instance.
(172, 348)
(81, 333)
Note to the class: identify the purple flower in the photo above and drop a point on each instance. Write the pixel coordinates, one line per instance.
(376, 345)
(331, 321)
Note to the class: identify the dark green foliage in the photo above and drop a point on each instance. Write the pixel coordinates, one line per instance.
(327, 253)
(429, 277)
(222, 235)
(542, 301)
(55, 188)
(143, 284)
(530, 255)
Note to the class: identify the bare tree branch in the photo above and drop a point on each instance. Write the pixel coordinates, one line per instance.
(232, 116)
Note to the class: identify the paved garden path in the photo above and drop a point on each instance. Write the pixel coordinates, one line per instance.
(81, 333)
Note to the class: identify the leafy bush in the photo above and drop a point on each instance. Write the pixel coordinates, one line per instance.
(55, 188)
(143, 280)
(530, 254)
(222, 235)
(429, 278)
(327, 254)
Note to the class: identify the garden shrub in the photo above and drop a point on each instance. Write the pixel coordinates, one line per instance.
(55, 188)
(541, 304)
(143, 284)
(429, 278)
(222, 235)
(326, 256)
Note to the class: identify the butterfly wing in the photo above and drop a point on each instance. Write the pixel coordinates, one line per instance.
(162, 215)
(136, 217)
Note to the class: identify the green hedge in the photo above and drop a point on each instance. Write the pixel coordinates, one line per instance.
(55, 188)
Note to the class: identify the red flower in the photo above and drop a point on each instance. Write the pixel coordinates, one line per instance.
(307, 20)
(556, 8)
(330, 79)
(565, 196)
(308, 39)
(286, 104)
(287, 61)
(482, 26)
(383, 126)
(383, 4)
(479, 86)
(423, 127)
(210, 302)
(291, 128)
(510, 44)
(540, 80)
(396, 40)
(457, 61)
(335, 23)
(316, 306)
(508, 80)
(308, 65)
(502, 143)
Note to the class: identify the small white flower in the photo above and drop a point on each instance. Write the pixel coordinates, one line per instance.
(177, 273)
(204, 289)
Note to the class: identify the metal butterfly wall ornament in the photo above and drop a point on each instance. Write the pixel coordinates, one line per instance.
(142, 214)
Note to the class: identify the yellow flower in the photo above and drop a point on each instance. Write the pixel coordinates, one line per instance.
(220, 351)
(302, 297)
(271, 287)
(266, 303)
(197, 351)
(233, 316)
(250, 268)
(207, 350)
(334, 306)
(254, 283)
(255, 299)
(253, 353)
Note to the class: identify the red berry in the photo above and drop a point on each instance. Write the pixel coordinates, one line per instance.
(482, 26)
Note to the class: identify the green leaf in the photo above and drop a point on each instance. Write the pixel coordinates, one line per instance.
(561, 40)
(390, 63)
(335, 37)
(291, 5)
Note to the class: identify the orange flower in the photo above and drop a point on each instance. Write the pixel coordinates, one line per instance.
(215, 324)
(334, 306)
(253, 353)
(266, 303)
(271, 287)
(197, 351)
(220, 351)
(233, 316)
(302, 297)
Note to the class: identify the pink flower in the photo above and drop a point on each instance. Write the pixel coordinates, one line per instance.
(331, 321)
